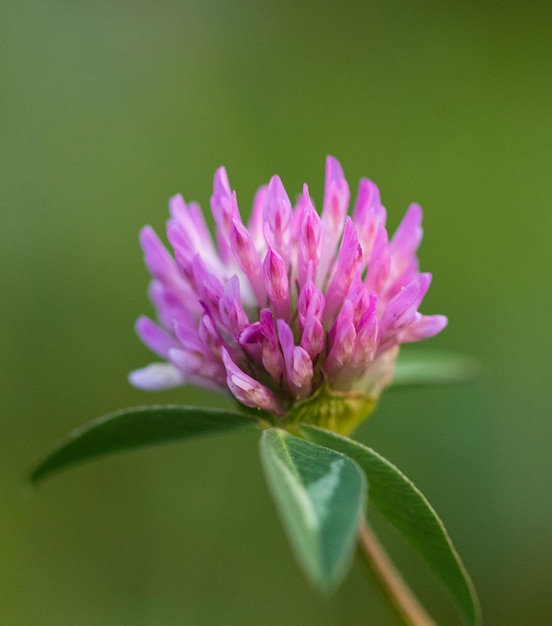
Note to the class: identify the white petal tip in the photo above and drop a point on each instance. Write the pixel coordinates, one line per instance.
(156, 376)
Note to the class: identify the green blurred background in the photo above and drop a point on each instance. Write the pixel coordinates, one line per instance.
(109, 108)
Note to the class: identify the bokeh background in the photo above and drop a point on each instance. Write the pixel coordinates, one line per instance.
(107, 109)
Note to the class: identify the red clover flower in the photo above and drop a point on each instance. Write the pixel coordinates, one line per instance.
(298, 314)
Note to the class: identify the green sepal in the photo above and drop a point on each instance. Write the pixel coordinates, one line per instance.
(337, 411)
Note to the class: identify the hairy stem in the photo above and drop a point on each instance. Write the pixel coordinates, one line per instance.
(401, 596)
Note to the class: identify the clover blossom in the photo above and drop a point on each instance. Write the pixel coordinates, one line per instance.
(298, 314)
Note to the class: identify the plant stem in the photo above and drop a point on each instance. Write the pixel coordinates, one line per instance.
(401, 596)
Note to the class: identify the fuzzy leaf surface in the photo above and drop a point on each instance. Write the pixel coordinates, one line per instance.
(320, 495)
(404, 506)
(137, 428)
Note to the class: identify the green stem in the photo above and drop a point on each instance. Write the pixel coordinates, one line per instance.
(401, 596)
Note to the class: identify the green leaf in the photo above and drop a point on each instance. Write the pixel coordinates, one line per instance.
(427, 367)
(320, 496)
(136, 428)
(402, 503)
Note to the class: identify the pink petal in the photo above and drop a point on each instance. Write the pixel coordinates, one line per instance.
(209, 288)
(154, 337)
(402, 309)
(342, 339)
(298, 363)
(406, 239)
(248, 259)
(368, 215)
(379, 263)
(232, 315)
(255, 225)
(276, 283)
(188, 235)
(188, 336)
(223, 206)
(271, 355)
(312, 337)
(423, 327)
(336, 195)
(311, 303)
(197, 368)
(336, 202)
(309, 239)
(360, 297)
(349, 259)
(248, 390)
(158, 260)
(171, 305)
(210, 336)
(250, 340)
(367, 335)
(278, 219)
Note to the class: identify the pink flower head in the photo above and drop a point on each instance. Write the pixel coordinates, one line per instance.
(291, 304)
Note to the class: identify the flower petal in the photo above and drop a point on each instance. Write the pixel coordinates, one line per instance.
(155, 338)
(271, 354)
(156, 257)
(248, 390)
(379, 263)
(223, 207)
(277, 283)
(336, 202)
(402, 309)
(309, 240)
(406, 239)
(424, 327)
(367, 335)
(299, 368)
(247, 257)
(278, 219)
(232, 315)
(342, 339)
(368, 215)
(349, 259)
(156, 377)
